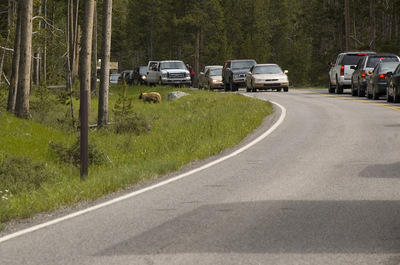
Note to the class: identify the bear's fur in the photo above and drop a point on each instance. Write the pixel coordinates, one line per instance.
(150, 97)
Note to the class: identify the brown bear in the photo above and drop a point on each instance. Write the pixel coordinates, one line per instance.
(149, 97)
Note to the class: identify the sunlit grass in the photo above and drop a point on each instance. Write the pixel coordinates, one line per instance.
(188, 129)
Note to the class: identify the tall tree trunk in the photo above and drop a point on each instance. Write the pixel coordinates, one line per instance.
(12, 94)
(85, 61)
(93, 88)
(372, 25)
(105, 64)
(25, 9)
(197, 56)
(347, 23)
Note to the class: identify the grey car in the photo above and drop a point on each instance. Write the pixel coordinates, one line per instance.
(359, 78)
(378, 81)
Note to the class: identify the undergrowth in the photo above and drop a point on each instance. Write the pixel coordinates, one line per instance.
(39, 158)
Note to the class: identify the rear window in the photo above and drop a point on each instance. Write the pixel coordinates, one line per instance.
(373, 61)
(351, 59)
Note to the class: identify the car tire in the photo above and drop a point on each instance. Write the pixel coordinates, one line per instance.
(388, 97)
(361, 91)
(285, 89)
(279, 89)
(354, 92)
(232, 85)
(396, 98)
(339, 88)
(226, 86)
(331, 89)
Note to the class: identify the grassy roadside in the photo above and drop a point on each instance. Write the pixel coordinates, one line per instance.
(34, 179)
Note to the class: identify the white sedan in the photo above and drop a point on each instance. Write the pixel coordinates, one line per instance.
(267, 76)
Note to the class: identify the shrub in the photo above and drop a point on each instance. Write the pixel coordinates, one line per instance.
(19, 174)
(72, 154)
(131, 124)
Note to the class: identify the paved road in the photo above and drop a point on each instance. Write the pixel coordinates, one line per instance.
(322, 188)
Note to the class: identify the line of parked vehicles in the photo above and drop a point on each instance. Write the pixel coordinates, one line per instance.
(229, 77)
(366, 73)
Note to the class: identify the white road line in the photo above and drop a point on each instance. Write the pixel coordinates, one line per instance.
(127, 196)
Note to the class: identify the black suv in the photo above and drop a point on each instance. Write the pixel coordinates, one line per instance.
(126, 77)
(234, 73)
(367, 63)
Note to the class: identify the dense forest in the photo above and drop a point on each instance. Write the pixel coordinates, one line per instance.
(300, 35)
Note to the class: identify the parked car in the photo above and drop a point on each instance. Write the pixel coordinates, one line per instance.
(359, 78)
(200, 77)
(140, 75)
(234, 73)
(393, 88)
(378, 81)
(213, 78)
(114, 78)
(126, 77)
(340, 72)
(267, 76)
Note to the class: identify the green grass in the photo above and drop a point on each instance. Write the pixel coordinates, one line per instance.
(188, 129)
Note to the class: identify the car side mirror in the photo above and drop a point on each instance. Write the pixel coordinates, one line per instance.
(286, 71)
(331, 64)
(353, 67)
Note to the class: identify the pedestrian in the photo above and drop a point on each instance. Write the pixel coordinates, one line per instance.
(191, 71)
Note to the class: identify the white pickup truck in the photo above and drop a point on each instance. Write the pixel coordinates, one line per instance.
(167, 73)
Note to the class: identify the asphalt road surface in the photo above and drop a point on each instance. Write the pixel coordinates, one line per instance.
(322, 186)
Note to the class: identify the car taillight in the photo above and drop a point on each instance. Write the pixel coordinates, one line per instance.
(383, 76)
(342, 70)
(363, 73)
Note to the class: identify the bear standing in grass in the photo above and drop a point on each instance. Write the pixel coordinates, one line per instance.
(149, 97)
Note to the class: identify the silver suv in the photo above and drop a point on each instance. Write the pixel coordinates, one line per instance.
(340, 72)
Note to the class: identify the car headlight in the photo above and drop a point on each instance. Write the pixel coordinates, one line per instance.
(259, 80)
(215, 80)
(236, 76)
(164, 75)
(144, 77)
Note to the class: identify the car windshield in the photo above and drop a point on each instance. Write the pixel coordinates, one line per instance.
(142, 70)
(114, 77)
(216, 71)
(352, 59)
(373, 61)
(267, 69)
(388, 67)
(172, 65)
(242, 64)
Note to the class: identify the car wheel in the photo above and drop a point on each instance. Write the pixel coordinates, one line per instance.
(331, 88)
(279, 89)
(232, 85)
(226, 86)
(361, 90)
(286, 89)
(339, 88)
(353, 90)
(389, 98)
(396, 98)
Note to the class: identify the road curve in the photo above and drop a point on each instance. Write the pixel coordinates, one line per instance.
(321, 188)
